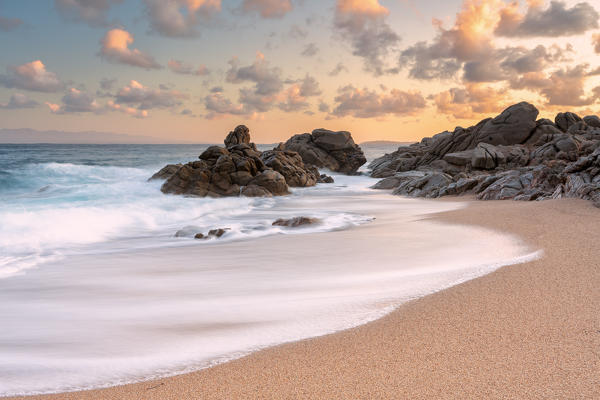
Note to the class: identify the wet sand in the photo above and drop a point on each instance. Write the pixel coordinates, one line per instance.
(524, 331)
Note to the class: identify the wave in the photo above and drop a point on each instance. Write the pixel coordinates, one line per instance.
(72, 209)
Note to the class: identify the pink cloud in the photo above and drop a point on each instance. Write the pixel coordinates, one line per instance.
(115, 48)
(31, 76)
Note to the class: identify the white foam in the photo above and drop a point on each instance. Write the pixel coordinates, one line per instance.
(125, 313)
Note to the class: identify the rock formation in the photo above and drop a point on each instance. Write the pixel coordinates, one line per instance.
(327, 149)
(511, 156)
(240, 169)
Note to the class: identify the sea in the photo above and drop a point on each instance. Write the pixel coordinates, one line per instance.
(97, 290)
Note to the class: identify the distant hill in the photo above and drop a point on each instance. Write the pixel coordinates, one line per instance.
(22, 136)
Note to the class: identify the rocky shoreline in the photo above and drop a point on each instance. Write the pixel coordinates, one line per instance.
(511, 156)
(240, 168)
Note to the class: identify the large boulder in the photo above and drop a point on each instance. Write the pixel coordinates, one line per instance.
(565, 120)
(327, 149)
(513, 126)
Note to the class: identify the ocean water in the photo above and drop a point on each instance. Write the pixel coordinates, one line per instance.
(95, 289)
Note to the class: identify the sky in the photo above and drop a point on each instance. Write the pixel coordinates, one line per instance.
(192, 70)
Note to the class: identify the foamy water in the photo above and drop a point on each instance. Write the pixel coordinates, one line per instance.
(97, 291)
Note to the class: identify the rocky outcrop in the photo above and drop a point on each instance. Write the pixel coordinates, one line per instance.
(327, 149)
(511, 156)
(238, 169)
(166, 172)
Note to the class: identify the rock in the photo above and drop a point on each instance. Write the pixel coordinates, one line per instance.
(513, 126)
(428, 185)
(592, 120)
(459, 158)
(166, 172)
(295, 222)
(323, 178)
(290, 165)
(272, 181)
(487, 156)
(330, 140)
(199, 236)
(565, 120)
(255, 191)
(511, 156)
(327, 149)
(217, 232)
(240, 135)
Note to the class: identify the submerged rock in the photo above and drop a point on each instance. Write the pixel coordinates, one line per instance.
(295, 222)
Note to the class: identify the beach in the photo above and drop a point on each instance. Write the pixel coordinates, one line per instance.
(529, 330)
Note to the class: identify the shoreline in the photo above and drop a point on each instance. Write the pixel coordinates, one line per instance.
(419, 349)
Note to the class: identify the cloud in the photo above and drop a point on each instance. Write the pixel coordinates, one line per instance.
(293, 100)
(107, 84)
(471, 101)
(18, 100)
(267, 80)
(309, 86)
(9, 24)
(216, 103)
(75, 101)
(557, 20)
(362, 23)
(310, 50)
(338, 69)
(471, 38)
(179, 67)
(31, 76)
(596, 42)
(178, 18)
(365, 103)
(268, 8)
(295, 97)
(92, 12)
(134, 112)
(565, 87)
(324, 107)
(115, 48)
(145, 98)
(509, 62)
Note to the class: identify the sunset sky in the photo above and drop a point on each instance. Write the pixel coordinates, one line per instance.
(382, 69)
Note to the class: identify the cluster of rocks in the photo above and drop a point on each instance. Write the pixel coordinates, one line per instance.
(511, 156)
(240, 168)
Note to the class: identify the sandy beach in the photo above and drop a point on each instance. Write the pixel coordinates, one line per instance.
(524, 331)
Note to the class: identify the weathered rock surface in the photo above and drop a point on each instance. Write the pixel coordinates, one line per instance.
(238, 169)
(327, 149)
(166, 172)
(295, 222)
(511, 156)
